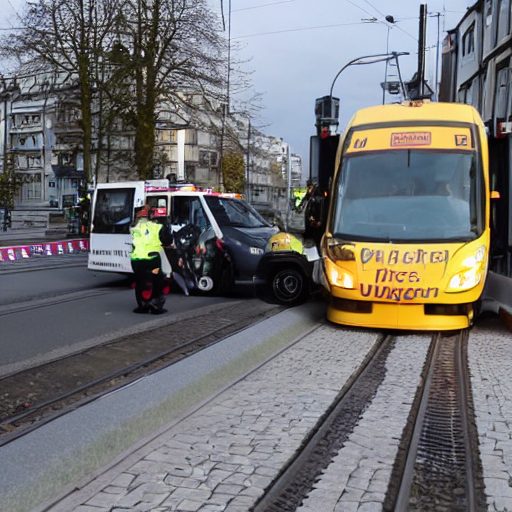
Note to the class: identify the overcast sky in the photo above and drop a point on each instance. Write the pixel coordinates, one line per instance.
(298, 46)
(295, 48)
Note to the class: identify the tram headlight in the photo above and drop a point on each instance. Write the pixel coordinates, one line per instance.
(341, 278)
(471, 274)
(338, 254)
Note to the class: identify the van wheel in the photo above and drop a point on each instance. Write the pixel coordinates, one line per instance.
(205, 284)
(290, 286)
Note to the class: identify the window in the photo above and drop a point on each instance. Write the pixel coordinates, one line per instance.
(31, 189)
(188, 210)
(501, 93)
(159, 204)
(473, 94)
(113, 210)
(190, 137)
(488, 12)
(235, 213)
(503, 19)
(384, 196)
(468, 42)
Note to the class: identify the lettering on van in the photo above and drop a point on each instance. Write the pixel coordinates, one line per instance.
(108, 252)
(108, 264)
(402, 139)
(395, 257)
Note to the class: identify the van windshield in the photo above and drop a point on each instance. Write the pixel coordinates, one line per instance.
(408, 195)
(235, 213)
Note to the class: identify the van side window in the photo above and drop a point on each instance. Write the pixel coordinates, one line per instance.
(188, 210)
(180, 213)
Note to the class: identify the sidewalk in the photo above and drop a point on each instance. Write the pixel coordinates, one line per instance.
(93, 443)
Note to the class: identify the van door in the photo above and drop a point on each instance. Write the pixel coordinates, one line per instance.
(112, 215)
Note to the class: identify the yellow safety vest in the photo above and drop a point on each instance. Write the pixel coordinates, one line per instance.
(146, 240)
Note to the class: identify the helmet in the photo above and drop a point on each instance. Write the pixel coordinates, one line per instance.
(145, 212)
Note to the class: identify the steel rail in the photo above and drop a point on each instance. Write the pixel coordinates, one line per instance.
(29, 305)
(291, 471)
(112, 375)
(454, 383)
(404, 492)
(464, 398)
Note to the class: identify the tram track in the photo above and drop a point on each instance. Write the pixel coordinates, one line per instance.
(33, 397)
(437, 466)
(332, 430)
(55, 300)
(442, 470)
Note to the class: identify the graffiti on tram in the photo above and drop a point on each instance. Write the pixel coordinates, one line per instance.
(400, 284)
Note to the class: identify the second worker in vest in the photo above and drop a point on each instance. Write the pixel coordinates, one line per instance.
(148, 237)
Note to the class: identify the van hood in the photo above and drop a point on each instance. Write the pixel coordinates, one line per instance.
(255, 237)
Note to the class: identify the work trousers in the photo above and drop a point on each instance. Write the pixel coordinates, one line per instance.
(145, 280)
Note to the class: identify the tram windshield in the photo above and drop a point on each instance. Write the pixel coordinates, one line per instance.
(408, 195)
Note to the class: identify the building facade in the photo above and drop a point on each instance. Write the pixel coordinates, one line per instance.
(41, 139)
(477, 70)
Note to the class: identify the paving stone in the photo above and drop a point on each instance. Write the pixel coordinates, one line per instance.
(123, 480)
(234, 446)
(189, 506)
(87, 508)
(350, 474)
(104, 500)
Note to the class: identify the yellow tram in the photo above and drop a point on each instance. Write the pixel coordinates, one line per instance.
(407, 238)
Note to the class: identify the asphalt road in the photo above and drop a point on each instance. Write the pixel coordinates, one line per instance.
(48, 312)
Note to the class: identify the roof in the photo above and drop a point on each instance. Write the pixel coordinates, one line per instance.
(416, 111)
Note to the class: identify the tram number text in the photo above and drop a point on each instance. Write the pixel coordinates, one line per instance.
(359, 144)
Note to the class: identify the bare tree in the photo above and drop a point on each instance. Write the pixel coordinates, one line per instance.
(169, 51)
(71, 36)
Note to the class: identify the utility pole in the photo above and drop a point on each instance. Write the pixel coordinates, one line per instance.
(225, 109)
(421, 50)
(248, 182)
(416, 87)
(438, 15)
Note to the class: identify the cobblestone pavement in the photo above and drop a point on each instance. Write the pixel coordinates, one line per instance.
(358, 477)
(223, 456)
(490, 362)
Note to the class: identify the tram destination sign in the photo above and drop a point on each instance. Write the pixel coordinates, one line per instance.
(411, 139)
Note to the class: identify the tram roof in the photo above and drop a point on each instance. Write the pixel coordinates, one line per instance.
(417, 111)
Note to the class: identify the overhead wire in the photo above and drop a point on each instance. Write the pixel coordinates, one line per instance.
(263, 5)
(299, 29)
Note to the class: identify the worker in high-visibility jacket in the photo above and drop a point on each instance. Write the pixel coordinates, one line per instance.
(147, 264)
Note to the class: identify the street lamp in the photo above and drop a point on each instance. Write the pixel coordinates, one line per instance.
(372, 59)
(324, 145)
(391, 22)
